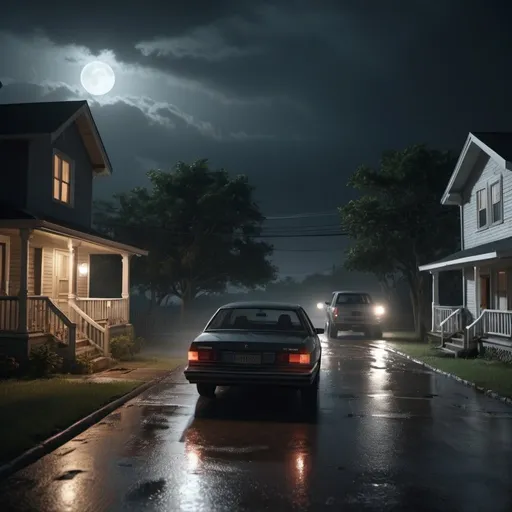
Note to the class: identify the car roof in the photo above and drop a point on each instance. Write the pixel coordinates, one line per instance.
(261, 304)
(352, 291)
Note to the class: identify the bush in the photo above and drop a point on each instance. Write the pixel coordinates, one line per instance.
(122, 347)
(83, 365)
(8, 366)
(44, 360)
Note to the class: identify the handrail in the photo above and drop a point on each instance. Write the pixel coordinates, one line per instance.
(448, 317)
(56, 311)
(100, 335)
(477, 320)
(87, 318)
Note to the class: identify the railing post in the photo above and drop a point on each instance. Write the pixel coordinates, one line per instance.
(106, 345)
(23, 291)
(72, 341)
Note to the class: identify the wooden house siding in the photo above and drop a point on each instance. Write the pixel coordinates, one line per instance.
(486, 172)
(469, 276)
(47, 278)
(15, 269)
(82, 282)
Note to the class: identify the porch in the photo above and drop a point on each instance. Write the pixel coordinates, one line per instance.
(45, 289)
(485, 316)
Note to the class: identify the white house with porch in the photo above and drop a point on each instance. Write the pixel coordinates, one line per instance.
(481, 186)
(50, 153)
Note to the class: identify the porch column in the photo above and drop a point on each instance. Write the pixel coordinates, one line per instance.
(478, 298)
(125, 293)
(73, 270)
(435, 297)
(23, 291)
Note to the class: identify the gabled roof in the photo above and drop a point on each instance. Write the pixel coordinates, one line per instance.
(498, 145)
(26, 120)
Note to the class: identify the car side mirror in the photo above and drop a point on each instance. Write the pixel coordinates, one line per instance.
(319, 330)
(327, 303)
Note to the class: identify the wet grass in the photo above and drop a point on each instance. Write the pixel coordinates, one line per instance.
(486, 373)
(34, 410)
(153, 361)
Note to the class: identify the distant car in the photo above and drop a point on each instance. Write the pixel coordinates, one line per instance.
(264, 343)
(353, 311)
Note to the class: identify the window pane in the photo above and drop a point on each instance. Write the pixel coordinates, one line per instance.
(482, 218)
(56, 189)
(65, 171)
(481, 199)
(56, 166)
(495, 192)
(496, 211)
(64, 192)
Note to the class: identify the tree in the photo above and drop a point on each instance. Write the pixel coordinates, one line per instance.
(200, 227)
(398, 223)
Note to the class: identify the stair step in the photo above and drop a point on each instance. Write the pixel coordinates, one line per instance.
(85, 349)
(82, 342)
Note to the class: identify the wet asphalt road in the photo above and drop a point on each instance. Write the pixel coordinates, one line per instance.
(388, 435)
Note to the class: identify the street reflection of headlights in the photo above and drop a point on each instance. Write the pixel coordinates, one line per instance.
(379, 310)
(320, 305)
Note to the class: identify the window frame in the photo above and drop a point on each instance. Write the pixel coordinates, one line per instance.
(485, 194)
(493, 183)
(63, 158)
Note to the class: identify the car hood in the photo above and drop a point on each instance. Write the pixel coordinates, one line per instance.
(252, 337)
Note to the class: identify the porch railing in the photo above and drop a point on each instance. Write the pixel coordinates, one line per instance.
(43, 316)
(112, 311)
(451, 324)
(440, 314)
(493, 322)
(94, 332)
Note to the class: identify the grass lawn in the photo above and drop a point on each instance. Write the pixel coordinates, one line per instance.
(153, 361)
(488, 374)
(34, 410)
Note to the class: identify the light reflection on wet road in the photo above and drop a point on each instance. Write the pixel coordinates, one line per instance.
(389, 435)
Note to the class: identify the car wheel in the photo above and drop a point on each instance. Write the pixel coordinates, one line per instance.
(206, 390)
(333, 332)
(377, 333)
(309, 395)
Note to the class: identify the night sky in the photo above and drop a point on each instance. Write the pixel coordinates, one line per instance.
(295, 94)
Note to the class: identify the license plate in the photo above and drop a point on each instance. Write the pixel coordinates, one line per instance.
(248, 358)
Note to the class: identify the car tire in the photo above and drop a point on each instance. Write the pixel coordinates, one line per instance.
(206, 390)
(333, 332)
(309, 395)
(377, 333)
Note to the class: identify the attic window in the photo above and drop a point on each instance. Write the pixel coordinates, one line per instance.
(496, 202)
(481, 206)
(61, 179)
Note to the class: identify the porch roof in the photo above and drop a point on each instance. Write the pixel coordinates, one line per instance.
(17, 219)
(490, 251)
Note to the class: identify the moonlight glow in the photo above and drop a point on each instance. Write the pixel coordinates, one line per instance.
(97, 78)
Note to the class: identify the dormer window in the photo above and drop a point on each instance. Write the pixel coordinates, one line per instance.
(481, 206)
(61, 179)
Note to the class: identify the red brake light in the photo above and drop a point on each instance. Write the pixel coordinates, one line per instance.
(193, 355)
(335, 311)
(299, 358)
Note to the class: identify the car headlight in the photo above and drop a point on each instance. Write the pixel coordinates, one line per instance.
(379, 310)
(320, 305)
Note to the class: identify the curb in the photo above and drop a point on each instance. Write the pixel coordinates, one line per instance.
(50, 444)
(488, 392)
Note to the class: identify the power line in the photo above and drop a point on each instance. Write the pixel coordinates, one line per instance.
(309, 250)
(301, 215)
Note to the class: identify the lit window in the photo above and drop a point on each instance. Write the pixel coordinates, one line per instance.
(61, 180)
(481, 206)
(496, 202)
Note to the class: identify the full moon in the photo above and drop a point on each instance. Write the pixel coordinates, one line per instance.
(97, 78)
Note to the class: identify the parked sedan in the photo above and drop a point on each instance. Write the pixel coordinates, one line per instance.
(264, 343)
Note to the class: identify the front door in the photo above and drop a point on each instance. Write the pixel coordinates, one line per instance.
(61, 284)
(485, 292)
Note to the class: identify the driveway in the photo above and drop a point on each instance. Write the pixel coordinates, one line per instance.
(389, 435)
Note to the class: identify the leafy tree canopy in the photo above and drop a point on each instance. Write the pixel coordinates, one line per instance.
(199, 226)
(398, 223)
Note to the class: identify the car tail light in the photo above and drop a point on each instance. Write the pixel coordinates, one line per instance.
(193, 355)
(293, 358)
(200, 355)
(335, 312)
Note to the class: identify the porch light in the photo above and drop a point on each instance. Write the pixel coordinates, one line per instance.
(83, 269)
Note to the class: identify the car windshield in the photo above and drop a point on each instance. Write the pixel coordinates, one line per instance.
(353, 298)
(256, 319)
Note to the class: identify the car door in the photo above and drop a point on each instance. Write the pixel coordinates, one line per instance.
(331, 307)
